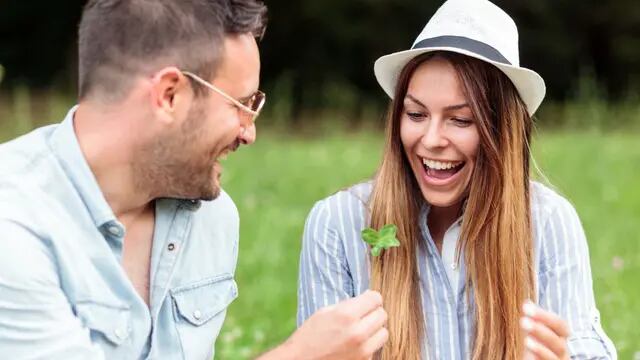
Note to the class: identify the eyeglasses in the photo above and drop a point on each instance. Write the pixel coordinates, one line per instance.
(253, 104)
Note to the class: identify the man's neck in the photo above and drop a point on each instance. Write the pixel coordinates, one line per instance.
(109, 151)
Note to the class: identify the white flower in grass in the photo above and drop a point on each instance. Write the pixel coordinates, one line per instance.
(618, 264)
(258, 335)
(245, 352)
(232, 335)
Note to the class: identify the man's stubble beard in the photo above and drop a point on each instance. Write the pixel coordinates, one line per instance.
(173, 167)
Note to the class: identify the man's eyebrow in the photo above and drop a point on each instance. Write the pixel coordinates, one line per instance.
(245, 99)
(248, 97)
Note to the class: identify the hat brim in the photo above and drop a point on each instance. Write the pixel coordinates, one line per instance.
(529, 84)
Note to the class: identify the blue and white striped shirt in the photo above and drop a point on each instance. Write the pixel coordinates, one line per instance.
(334, 265)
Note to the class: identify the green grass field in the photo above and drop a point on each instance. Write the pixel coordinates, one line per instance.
(276, 181)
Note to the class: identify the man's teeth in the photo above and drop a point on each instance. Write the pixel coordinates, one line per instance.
(440, 165)
(223, 155)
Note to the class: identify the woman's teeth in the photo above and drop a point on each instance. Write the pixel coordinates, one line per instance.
(440, 165)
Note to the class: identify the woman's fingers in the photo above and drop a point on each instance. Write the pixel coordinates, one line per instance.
(551, 320)
(372, 323)
(544, 335)
(538, 350)
(376, 341)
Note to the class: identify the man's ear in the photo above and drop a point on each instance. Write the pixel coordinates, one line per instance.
(168, 95)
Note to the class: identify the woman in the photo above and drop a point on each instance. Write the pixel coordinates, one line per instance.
(478, 238)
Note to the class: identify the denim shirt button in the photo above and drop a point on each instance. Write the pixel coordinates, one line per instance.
(114, 230)
(197, 314)
(191, 205)
(120, 333)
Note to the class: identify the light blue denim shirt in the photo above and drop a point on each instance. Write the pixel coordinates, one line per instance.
(63, 291)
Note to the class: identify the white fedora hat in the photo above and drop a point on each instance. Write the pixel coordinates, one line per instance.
(475, 28)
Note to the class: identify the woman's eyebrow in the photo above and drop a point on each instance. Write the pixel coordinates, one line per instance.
(410, 97)
(447, 108)
(456, 107)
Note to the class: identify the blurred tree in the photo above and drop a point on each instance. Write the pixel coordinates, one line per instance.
(565, 39)
(38, 41)
(315, 47)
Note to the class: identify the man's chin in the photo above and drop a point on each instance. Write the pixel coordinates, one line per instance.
(204, 194)
(211, 196)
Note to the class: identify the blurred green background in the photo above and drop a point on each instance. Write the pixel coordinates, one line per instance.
(321, 131)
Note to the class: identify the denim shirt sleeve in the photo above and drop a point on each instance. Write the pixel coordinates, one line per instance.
(566, 284)
(36, 319)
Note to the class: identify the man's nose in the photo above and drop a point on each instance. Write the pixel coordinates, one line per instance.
(248, 134)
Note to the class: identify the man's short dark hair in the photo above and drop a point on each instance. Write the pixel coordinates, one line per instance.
(119, 39)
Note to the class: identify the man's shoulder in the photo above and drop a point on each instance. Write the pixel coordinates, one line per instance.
(26, 167)
(29, 179)
(20, 156)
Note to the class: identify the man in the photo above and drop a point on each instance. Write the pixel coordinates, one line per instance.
(116, 239)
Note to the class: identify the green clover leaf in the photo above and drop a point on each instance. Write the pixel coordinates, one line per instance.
(381, 240)
(370, 236)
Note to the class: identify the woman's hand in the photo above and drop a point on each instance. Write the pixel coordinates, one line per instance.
(546, 334)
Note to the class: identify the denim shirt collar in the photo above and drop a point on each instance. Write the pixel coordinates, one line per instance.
(65, 146)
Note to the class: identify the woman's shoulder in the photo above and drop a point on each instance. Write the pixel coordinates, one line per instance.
(547, 201)
(553, 213)
(344, 211)
(349, 200)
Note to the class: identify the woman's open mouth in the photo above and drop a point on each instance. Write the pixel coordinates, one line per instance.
(440, 172)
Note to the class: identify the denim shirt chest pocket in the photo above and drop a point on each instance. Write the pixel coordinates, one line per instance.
(108, 323)
(199, 311)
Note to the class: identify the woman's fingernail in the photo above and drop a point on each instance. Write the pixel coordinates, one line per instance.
(529, 309)
(526, 324)
(530, 343)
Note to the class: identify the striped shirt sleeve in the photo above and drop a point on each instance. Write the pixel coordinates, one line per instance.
(566, 284)
(324, 277)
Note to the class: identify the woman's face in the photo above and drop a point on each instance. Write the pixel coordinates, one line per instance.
(439, 133)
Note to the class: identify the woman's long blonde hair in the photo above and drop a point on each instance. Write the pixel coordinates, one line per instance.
(496, 236)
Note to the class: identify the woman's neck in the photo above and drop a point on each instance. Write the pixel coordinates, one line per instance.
(440, 219)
